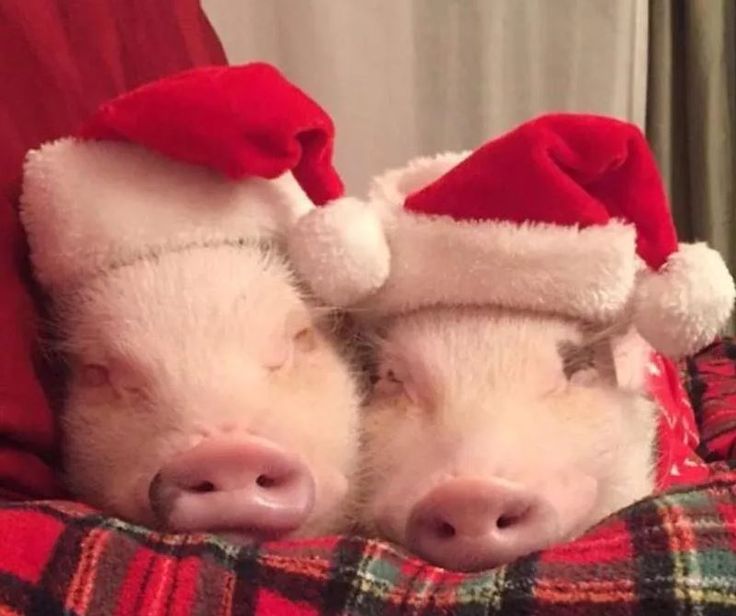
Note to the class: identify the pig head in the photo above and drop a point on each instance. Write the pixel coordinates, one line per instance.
(207, 393)
(491, 434)
(198, 379)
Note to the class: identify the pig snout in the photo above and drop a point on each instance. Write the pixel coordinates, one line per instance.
(469, 524)
(249, 487)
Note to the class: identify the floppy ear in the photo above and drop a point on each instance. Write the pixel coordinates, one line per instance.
(631, 356)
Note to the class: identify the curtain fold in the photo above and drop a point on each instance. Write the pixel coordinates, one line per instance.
(691, 121)
(413, 77)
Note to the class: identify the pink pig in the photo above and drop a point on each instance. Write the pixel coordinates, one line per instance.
(515, 295)
(492, 434)
(207, 392)
(223, 406)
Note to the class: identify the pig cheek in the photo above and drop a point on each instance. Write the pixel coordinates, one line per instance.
(400, 474)
(329, 514)
(572, 497)
(390, 512)
(111, 455)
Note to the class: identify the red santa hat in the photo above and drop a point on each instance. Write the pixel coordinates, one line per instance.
(565, 214)
(214, 154)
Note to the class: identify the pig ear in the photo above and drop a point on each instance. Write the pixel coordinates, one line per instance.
(341, 251)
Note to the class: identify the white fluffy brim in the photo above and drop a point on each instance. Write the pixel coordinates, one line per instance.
(86, 204)
(582, 273)
(683, 307)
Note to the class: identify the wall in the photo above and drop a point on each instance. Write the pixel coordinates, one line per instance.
(409, 77)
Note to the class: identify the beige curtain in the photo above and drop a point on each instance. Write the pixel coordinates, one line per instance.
(691, 115)
(409, 77)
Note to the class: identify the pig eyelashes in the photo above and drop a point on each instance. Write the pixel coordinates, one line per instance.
(575, 358)
(388, 384)
(392, 381)
(303, 341)
(99, 376)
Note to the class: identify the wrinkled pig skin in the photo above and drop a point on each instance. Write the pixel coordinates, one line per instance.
(207, 394)
(490, 435)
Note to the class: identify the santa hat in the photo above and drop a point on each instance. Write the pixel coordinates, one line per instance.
(565, 214)
(210, 155)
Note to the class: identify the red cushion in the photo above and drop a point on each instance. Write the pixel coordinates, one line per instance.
(58, 61)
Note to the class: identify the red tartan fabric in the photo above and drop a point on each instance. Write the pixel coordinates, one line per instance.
(711, 383)
(59, 59)
(675, 554)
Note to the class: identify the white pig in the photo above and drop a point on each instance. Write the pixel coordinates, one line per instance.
(198, 378)
(207, 392)
(492, 434)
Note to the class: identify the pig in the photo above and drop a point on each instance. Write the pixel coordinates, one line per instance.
(207, 393)
(491, 433)
(517, 295)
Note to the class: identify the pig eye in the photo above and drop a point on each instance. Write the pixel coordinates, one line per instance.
(94, 375)
(388, 383)
(305, 339)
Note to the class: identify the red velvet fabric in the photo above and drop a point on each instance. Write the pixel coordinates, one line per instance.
(563, 169)
(239, 121)
(59, 60)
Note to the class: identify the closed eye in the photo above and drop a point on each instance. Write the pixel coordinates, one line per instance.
(576, 358)
(94, 375)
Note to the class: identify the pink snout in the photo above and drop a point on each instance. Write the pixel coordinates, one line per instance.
(249, 488)
(474, 524)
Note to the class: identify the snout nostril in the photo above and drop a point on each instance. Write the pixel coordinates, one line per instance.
(204, 487)
(445, 530)
(508, 520)
(266, 481)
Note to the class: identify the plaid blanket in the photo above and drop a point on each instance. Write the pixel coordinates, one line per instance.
(710, 378)
(675, 554)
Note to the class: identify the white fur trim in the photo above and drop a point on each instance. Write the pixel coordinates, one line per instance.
(382, 258)
(87, 203)
(341, 250)
(583, 273)
(683, 307)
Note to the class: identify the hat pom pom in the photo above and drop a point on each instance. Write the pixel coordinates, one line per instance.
(341, 251)
(682, 307)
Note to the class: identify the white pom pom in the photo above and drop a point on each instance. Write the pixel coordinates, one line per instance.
(683, 307)
(341, 251)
